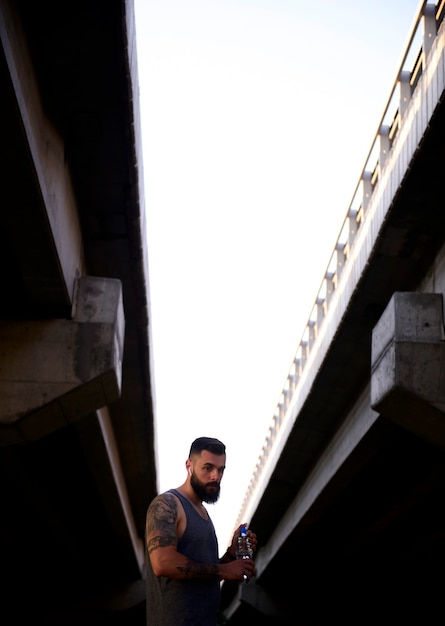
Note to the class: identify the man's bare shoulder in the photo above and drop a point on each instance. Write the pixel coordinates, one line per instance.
(162, 521)
(164, 505)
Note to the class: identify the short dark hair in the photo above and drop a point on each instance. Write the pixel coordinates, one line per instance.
(207, 443)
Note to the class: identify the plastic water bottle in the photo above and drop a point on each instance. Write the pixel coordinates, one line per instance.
(244, 545)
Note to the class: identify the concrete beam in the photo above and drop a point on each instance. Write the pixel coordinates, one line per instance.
(53, 372)
(408, 365)
(45, 203)
(98, 439)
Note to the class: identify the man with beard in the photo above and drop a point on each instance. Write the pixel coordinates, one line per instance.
(183, 567)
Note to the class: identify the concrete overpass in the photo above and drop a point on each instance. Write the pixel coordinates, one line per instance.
(77, 459)
(347, 497)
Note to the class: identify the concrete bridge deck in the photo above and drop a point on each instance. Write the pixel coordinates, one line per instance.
(77, 459)
(346, 495)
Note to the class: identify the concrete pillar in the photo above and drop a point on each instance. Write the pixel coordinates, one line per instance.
(366, 183)
(404, 92)
(53, 372)
(408, 364)
(429, 29)
(384, 145)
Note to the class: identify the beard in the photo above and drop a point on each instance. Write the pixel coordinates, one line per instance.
(202, 490)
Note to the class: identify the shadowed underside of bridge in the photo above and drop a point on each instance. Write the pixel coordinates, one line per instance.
(77, 463)
(370, 547)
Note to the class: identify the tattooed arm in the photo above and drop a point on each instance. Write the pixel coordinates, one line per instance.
(165, 524)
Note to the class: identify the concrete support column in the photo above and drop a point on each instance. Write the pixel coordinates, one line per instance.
(404, 92)
(429, 29)
(384, 144)
(408, 364)
(53, 372)
(366, 183)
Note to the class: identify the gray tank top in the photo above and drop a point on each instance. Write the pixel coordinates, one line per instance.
(186, 602)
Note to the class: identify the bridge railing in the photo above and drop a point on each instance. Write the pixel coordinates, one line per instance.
(423, 32)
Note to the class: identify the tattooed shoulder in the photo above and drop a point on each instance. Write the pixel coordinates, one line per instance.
(161, 522)
(162, 514)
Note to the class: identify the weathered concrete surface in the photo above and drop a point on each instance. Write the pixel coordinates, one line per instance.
(53, 372)
(408, 364)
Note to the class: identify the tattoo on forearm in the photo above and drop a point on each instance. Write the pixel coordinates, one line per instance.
(199, 570)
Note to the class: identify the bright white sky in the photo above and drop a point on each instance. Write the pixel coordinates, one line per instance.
(257, 118)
